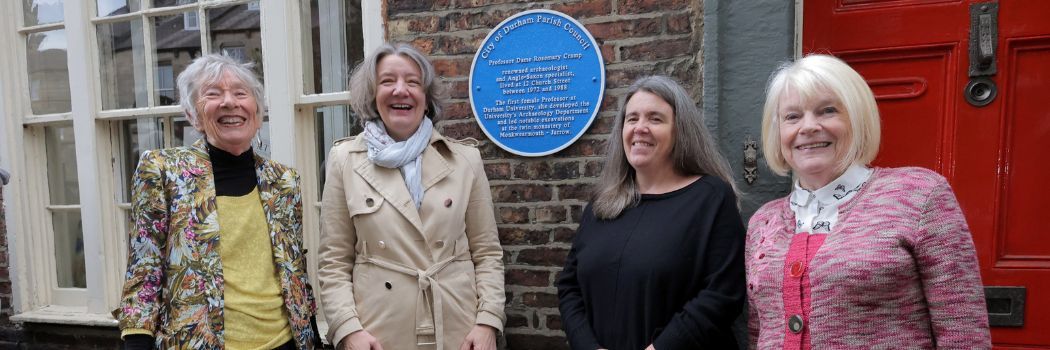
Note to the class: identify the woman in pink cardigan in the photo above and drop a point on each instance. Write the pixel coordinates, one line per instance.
(856, 256)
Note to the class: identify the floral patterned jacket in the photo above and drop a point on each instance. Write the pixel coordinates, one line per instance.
(174, 283)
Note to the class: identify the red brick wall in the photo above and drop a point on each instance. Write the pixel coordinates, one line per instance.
(538, 201)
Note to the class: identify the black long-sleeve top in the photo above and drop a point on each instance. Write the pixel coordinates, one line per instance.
(667, 272)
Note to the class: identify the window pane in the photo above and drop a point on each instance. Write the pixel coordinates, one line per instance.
(41, 11)
(332, 123)
(177, 43)
(61, 165)
(165, 3)
(185, 133)
(235, 33)
(116, 7)
(48, 73)
(69, 249)
(337, 24)
(123, 65)
(136, 136)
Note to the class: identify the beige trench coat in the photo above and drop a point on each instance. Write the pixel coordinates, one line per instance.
(409, 277)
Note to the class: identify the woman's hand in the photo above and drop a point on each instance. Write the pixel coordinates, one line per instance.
(480, 338)
(360, 340)
(650, 347)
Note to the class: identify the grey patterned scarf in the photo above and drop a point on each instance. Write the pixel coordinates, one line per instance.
(406, 155)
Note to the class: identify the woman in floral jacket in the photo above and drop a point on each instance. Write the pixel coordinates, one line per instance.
(216, 259)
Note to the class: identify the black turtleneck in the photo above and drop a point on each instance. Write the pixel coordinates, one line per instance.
(234, 175)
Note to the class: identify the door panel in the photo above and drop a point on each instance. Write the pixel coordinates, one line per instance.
(915, 55)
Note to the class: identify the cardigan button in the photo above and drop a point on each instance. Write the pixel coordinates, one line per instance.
(795, 324)
(797, 268)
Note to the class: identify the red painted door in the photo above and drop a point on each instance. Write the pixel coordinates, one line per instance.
(915, 55)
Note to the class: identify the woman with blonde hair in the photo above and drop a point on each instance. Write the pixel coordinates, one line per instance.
(856, 256)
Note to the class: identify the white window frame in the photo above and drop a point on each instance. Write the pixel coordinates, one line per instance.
(31, 270)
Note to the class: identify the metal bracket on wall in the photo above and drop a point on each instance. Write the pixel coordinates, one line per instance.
(750, 160)
(1005, 305)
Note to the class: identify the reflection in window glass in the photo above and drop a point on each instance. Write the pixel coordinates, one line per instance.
(337, 24)
(137, 136)
(116, 7)
(61, 164)
(332, 123)
(176, 46)
(234, 31)
(184, 133)
(48, 73)
(123, 67)
(69, 249)
(37, 12)
(165, 3)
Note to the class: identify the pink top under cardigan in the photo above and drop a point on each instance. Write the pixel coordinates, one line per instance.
(898, 270)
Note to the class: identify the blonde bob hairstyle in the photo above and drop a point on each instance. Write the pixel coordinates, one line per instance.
(363, 81)
(810, 77)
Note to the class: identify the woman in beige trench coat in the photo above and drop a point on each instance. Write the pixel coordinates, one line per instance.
(409, 258)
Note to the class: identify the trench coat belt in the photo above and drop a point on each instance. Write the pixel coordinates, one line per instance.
(426, 281)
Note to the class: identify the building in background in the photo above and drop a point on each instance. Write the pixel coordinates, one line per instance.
(86, 86)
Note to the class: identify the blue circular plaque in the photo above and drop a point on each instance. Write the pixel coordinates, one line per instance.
(537, 82)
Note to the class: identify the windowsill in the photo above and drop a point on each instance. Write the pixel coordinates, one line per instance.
(72, 315)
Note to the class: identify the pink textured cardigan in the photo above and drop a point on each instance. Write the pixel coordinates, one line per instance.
(898, 271)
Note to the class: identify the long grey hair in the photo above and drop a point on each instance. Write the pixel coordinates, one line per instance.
(694, 151)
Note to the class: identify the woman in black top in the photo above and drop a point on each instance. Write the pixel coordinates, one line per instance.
(657, 261)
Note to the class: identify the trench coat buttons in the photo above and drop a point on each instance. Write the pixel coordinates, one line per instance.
(448, 203)
(440, 243)
(795, 324)
(370, 202)
(797, 268)
(388, 285)
(382, 245)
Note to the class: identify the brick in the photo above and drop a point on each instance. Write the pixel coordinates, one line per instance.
(513, 236)
(452, 45)
(620, 29)
(657, 49)
(584, 147)
(550, 214)
(581, 192)
(457, 111)
(497, 171)
(566, 170)
(564, 234)
(602, 125)
(680, 24)
(513, 215)
(535, 342)
(462, 129)
(515, 320)
(585, 9)
(539, 299)
(459, 90)
(543, 256)
(528, 278)
(452, 67)
(644, 6)
(521, 193)
(404, 6)
(608, 52)
(554, 322)
(593, 168)
(416, 24)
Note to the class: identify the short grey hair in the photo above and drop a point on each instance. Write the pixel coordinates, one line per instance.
(363, 81)
(207, 70)
(694, 151)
